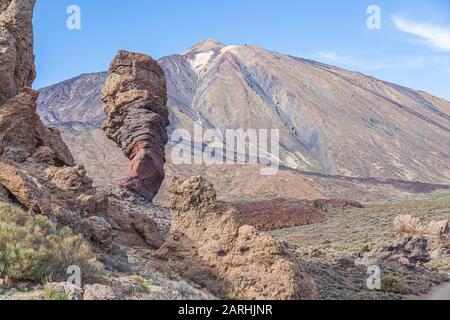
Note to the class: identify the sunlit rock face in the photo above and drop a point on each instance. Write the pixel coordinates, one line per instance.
(16, 47)
(135, 98)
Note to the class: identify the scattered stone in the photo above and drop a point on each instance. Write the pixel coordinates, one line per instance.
(72, 291)
(98, 292)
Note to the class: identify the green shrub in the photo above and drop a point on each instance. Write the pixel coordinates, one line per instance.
(31, 248)
(143, 286)
(319, 204)
(392, 285)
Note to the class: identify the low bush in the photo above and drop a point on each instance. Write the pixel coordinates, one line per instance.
(392, 285)
(33, 249)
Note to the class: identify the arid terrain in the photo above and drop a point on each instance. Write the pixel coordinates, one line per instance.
(338, 241)
(365, 181)
(89, 189)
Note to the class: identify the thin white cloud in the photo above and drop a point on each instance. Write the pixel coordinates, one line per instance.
(333, 57)
(408, 63)
(436, 37)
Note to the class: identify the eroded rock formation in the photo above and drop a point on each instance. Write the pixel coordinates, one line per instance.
(135, 98)
(208, 241)
(37, 170)
(36, 167)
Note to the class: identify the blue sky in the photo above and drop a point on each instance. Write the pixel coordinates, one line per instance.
(412, 48)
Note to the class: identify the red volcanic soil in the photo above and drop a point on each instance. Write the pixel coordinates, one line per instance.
(285, 213)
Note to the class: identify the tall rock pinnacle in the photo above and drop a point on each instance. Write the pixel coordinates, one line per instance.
(135, 98)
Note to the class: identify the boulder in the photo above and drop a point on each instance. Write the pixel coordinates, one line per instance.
(135, 98)
(409, 252)
(134, 226)
(207, 240)
(99, 231)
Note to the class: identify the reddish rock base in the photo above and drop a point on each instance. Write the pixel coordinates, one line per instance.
(146, 171)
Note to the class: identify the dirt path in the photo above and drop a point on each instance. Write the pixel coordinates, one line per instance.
(441, 292)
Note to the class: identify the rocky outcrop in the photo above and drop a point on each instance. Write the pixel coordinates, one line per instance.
(208, 241)
(134, 222)
(23, 137)
(437, 233)
(37, 170)
(409, 252)
(16, 47)
(135, 98)
(417, 243)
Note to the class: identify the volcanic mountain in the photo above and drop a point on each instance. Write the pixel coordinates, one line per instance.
(332, 122)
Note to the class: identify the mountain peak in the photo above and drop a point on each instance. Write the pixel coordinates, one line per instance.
(205, 45)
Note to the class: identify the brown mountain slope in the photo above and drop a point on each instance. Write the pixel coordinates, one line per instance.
(332, 121)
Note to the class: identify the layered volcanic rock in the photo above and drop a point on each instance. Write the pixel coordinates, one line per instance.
(37, 170)
(135, 98)
(16, 47)
(208, 241)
